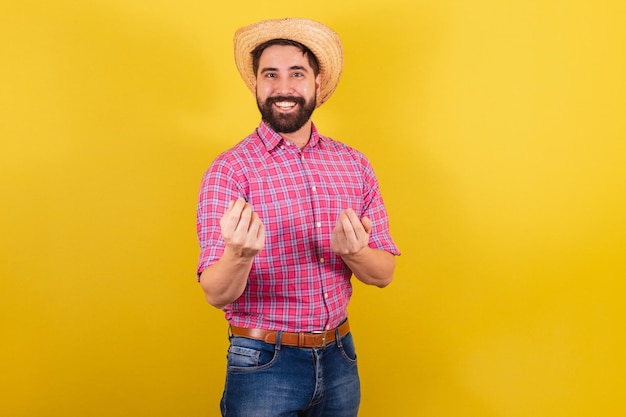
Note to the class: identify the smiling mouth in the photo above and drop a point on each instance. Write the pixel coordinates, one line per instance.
(285, 105)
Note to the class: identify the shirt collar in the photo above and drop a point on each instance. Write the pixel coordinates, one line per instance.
(272, 139)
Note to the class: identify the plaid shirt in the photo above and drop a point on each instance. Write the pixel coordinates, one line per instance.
(296, 282)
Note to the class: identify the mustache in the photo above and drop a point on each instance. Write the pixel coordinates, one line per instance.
(298, 100)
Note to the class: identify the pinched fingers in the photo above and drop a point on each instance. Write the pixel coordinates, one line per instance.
(242, 229)
(350, 234)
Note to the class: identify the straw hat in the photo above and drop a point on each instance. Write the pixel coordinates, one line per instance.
(321, 40)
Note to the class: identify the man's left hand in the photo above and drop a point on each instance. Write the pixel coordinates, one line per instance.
(350, 234)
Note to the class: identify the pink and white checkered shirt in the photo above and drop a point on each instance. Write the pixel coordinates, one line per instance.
(296, 283)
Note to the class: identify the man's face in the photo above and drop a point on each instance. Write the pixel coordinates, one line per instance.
(286, 88)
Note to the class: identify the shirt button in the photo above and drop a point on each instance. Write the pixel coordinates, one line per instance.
(282, 146)
(321, 260)
(327, 327)
(325, 295)
(314, 188)
(318, 224)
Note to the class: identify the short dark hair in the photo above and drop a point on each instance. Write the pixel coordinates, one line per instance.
(258, 51)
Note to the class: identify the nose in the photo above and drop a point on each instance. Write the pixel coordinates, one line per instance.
(285, 86)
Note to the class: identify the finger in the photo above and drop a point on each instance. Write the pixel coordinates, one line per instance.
(232, 216)
(255, 235)
(239, 205)
(337, 237)
(234, 208)
(226, 222)
(261, 234)
(255, 224)
(347, 225)
(245, 217)
(357, 226)
(367, 224)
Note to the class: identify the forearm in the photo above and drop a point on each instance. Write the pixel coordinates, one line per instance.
(372, 266)
(224, 281)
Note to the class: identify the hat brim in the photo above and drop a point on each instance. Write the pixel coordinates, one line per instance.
(321, 40)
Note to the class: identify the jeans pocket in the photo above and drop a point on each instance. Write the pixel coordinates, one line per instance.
(242, 357)
(248, 354)
(347, 348)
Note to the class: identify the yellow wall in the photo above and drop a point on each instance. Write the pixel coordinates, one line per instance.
(497, 129)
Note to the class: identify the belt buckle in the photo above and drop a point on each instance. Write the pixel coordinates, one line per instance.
(323, 333)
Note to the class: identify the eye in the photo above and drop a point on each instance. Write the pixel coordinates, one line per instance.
(297, 74)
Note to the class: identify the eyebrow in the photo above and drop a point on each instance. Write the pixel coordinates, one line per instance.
(292, 68)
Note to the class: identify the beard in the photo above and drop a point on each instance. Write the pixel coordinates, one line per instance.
(286, 123)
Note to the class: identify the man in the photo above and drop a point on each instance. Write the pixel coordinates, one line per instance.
(285, 218)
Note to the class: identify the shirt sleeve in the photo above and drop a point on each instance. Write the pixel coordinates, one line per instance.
(219, 186)
(374, 208)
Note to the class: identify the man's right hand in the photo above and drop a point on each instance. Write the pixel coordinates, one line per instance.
(242, 229)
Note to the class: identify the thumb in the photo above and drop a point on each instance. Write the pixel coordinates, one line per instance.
(367, 224)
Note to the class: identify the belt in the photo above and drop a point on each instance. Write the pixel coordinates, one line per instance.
(315, 339)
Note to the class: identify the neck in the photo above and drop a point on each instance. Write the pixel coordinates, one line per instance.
(300, 137)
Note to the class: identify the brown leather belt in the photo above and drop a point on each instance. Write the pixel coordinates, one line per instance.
(320, 339)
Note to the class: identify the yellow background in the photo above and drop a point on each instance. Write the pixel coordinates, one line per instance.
(497, 129)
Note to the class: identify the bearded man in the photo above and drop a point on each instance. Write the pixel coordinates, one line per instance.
(285, 218)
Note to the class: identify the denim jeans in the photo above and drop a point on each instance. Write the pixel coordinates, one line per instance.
(266, 380)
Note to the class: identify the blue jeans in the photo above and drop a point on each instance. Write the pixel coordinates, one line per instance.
(266, 380)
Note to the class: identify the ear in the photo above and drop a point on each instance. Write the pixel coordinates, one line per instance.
(318, 83)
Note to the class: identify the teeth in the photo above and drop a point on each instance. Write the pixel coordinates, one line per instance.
(285, 104)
